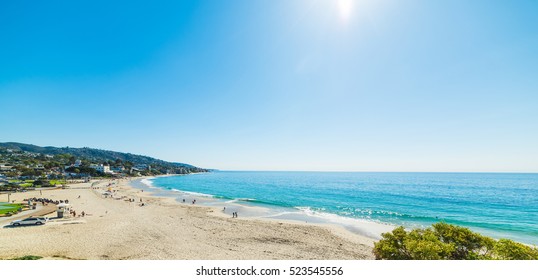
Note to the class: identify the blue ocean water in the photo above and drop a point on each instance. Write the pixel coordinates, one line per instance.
(500, 205)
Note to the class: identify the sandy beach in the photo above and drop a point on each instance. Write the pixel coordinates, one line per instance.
(116, 228)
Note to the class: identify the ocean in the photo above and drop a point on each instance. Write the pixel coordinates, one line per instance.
(499, 205)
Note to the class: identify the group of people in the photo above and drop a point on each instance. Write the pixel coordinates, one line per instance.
(234, 214)
(193, 201)
(73, 213)
(45, 201)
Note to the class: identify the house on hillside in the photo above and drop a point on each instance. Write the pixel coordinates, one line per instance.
(78, 163)
(143, 167)
(102, 168)
(4, 167)
(118, 169)
(38, 167)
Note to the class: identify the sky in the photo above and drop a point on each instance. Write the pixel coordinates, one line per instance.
(310, 85)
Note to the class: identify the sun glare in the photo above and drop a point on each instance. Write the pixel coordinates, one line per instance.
(345, 6)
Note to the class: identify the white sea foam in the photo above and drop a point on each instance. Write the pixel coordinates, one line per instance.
(365, 227)
(148, 182)
(240, 199)
(197, 194)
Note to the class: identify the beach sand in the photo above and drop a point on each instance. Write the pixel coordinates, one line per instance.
(166, 229)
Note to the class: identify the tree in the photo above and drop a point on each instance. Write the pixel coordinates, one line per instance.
(425, 245)
(392, 246)
(41, 182)
(467, 244)
(448, 242)
(506, 249)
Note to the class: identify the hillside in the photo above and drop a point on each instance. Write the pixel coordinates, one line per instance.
(102, 156)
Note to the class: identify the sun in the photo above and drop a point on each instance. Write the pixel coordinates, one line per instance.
(345, 7)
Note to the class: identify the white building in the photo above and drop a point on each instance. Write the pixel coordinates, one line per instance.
(104, 168)
(5, 167)
(101, 168)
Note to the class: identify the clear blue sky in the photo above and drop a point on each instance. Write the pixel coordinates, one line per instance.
(278, 85)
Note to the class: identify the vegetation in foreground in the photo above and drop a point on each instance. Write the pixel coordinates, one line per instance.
(27, 258)
(448, 242)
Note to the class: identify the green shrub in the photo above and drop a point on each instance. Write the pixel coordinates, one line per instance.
(448, 242)
(29, 257)
(425, 245)
(506, 249)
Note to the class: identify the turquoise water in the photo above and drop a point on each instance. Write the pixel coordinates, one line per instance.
(495, 204)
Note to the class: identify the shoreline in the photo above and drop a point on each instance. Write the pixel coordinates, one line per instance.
(396, 201)
(366, 231)
(256, 213)
(163, 229)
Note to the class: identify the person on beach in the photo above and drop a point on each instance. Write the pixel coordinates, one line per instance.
(83, 214)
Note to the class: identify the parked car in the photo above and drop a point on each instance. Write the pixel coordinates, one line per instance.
(30, 221)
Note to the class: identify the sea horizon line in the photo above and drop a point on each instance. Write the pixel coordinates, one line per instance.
(363, 171)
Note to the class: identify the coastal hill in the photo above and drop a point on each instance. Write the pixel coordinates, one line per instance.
(96, 156)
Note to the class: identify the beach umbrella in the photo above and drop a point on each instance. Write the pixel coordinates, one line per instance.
(62, 205)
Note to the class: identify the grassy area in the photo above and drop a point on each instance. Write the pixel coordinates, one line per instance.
(30, 183)
(10, 208)
(29, 257)
(58, 182)
(21, 181)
